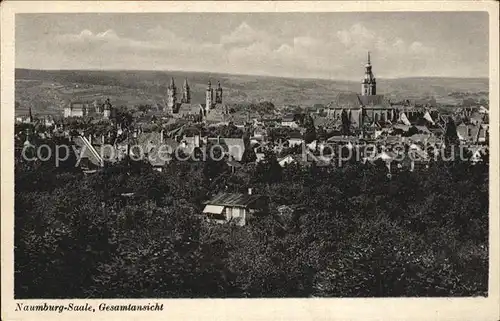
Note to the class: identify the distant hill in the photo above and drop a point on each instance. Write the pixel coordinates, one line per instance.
(47, 91)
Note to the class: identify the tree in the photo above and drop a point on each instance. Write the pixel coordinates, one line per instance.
(346, 123)
(269, 170)
(450, 135)
(310, 134)
(411, 131)
(123, 117)
(249, 155)
(144, 108)
(346, 231)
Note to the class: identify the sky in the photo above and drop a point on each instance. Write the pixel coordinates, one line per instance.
(301, 45)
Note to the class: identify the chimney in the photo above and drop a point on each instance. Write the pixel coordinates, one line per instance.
(218, 139)
(249, 191)
(90, 139)
(161, 136)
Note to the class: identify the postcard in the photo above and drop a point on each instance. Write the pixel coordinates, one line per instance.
(250, 160)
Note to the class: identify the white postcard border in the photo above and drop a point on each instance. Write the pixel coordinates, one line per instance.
(251, 309)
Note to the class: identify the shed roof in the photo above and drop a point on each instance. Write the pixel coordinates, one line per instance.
(288, 118)
(213, 209)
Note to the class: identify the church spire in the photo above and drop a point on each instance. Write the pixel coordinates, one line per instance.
(186, 93)
(218, 93)
(209, 97)
(368, 85)
(171, 97)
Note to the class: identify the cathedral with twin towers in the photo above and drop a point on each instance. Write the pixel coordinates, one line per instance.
(185, 107)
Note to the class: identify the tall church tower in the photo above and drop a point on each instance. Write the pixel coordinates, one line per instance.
(107, 109)
(171, 96)
(186, 93)
(368, 85)
(209, 97)
(218, 94)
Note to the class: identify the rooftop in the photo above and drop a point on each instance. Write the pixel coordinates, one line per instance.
(233, 199)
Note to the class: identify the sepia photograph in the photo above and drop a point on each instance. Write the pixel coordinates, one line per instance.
(249, 155)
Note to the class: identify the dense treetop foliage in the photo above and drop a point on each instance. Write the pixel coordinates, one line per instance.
(348, 231)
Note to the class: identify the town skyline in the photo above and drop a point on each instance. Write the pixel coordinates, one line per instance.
(283, 45)
(251, 155)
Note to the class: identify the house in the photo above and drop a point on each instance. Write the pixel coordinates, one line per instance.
(155, 149)
(295, 139)
(188, 145)
(87, 153)
(301, 160)
(259, 133)
(420, 138)
(316, 109)
(76, 109)
(284, 161)
(235, 207)
(477, 118)
(342, 139)
(321, 122)
(218, 114)
(483, 110)
(400, 128)
(472, 133)
(260, 157)
(188, 110)
(478, 153)
(234, 147)
(422, 129)
(312, 145)
(289, 121)
(49, 121)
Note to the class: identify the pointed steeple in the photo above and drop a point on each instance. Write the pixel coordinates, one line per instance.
(186, 94)
(218, 93)
(171, 96)
(368, 85)
(209, 97)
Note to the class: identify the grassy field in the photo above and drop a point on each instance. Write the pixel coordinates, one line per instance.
(46, 92)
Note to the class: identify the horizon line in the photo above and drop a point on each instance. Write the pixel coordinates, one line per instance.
(245, 74)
